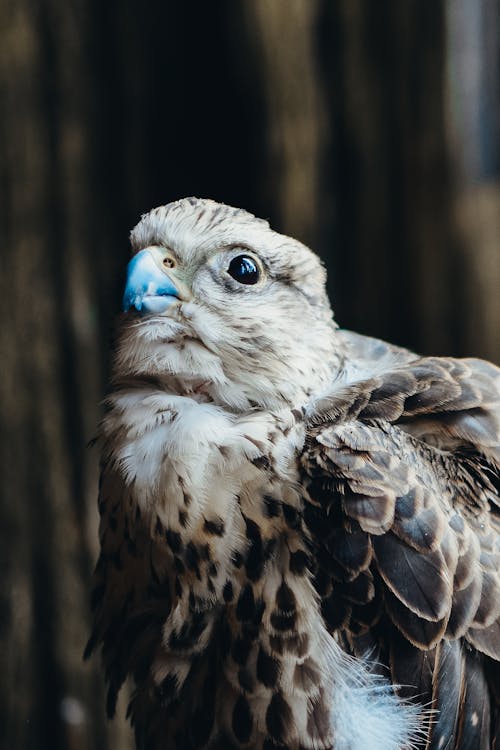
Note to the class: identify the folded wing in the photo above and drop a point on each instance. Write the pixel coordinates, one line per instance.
(402, 472)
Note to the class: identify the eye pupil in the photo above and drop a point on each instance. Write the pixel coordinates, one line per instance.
(244, 269)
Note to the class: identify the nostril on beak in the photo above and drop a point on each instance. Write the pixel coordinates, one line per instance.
(169, 262)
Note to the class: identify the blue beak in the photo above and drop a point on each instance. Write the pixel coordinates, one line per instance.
(147, 287)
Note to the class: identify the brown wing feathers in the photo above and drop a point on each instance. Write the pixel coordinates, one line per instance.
(451, 399)
(408, 548)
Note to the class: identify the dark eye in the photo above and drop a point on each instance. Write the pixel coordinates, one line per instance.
(244, 269)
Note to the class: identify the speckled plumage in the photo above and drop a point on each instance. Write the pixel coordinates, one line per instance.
(293, 516)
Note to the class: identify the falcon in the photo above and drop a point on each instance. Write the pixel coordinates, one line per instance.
(299, 524)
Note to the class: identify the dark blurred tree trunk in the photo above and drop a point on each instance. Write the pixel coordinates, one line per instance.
(327, 117)
(284, 35)
(397, 269)
(473, 119)
(51, 383)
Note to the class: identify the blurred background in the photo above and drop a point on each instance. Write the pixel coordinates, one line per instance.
(371, 131)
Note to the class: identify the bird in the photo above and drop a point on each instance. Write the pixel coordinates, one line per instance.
(299, 524)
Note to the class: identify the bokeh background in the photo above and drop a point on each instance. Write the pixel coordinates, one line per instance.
(369, 130)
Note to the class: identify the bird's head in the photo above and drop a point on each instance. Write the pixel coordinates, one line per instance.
(220, 307)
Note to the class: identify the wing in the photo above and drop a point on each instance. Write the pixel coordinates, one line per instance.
(402, 509)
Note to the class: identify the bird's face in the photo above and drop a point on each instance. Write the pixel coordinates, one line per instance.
(220, 307)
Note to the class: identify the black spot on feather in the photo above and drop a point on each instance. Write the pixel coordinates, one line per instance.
(292, 516)
(307, 675)
(237, 559)
(241, 650)
(318, 720)
(254, 562)
(227, 592)
(298, 644)
(192, 557)
(278, 717)
(242, 721)
(225, 640)
(261, 462)
(285, 598)
(267, 669)
(298, 562)
(173, 540)
(277, 644)
(246, 680)
(335, 611)
(215, 526)
(204, 552)
(283, 621)
(245, 609)
(272, 507)
(322, 582)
